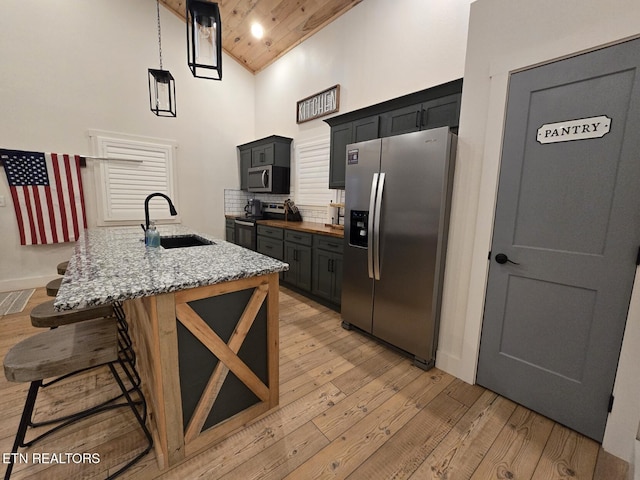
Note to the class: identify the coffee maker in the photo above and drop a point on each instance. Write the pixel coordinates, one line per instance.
(253, 208)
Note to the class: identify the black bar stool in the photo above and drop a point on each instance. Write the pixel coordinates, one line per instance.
(63, 351)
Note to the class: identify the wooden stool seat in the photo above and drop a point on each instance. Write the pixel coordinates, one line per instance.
(53, 286)
(62, 267)
(44, 316)
(62, 351)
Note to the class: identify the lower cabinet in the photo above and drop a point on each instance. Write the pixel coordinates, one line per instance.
(327, 275)
(270, 247)
(315, 261)
(297, 253)
(327, 268)
(270, 243)
(230, 230)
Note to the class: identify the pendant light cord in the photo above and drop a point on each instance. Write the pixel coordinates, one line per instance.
(159, 34)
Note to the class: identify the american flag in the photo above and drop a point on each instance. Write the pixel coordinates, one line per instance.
(47, 195)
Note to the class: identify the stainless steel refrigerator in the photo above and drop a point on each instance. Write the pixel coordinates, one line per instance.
(397, 204)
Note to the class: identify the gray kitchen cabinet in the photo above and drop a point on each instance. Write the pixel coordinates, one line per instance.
(297, 253)
(402, 120)
(245, 165)
(270, 247)
(230, 230)
(274, 150)
(272, 232)
(264, 155)
(431, 108)
(327, 268)
(439, 112)
(315, 261)
(270, 241)
(342, 135)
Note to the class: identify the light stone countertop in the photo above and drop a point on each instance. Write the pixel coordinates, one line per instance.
(112, 264)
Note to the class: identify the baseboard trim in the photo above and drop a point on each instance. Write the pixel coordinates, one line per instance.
(24, 283)
(448, 363)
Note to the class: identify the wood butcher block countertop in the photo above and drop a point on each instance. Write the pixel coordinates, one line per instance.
(309, 227)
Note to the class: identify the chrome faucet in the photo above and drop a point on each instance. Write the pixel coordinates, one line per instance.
(172, 209)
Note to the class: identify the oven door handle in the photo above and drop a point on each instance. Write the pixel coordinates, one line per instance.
(246, 224)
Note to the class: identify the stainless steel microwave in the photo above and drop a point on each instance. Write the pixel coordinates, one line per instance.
(268, 179)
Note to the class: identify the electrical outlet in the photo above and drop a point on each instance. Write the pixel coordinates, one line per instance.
(2, 202)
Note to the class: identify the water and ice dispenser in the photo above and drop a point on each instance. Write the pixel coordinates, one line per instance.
(359, 236)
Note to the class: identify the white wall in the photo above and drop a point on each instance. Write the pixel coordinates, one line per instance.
(71, 66)
(505, 35)
(375, 52)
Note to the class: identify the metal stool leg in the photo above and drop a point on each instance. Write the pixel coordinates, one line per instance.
(140, 418)
(27, 412)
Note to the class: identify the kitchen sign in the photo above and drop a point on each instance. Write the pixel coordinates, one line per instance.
(318, 105)
(582, 129)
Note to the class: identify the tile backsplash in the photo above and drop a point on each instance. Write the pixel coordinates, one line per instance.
(235, 200)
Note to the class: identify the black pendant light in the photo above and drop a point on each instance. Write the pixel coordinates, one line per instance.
(204, 39)
(162, 87)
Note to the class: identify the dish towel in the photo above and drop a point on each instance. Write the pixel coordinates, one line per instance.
(47, 194)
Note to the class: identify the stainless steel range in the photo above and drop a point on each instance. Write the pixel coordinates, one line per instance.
(246, 225)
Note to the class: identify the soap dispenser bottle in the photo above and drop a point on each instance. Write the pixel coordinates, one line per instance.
(152, 236)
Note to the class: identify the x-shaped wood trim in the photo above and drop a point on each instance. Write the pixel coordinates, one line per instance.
(226, 354)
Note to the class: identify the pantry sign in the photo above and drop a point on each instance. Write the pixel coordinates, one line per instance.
(581, 129)
(318, 105)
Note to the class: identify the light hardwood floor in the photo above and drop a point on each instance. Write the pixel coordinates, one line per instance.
(349, 408)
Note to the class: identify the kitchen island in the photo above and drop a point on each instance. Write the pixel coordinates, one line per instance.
(204, 321)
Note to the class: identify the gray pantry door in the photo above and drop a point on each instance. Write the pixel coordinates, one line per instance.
(568, 217)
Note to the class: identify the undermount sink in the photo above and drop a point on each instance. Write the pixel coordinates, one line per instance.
(181, 241)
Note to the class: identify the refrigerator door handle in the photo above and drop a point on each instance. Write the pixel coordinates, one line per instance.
(370, 226)
(376, 228)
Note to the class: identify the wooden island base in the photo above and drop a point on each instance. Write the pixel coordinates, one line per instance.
(193, 366)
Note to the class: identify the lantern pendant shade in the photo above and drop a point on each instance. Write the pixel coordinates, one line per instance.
(162, 93)
(204, 39)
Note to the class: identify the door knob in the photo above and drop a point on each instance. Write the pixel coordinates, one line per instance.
(501, 258)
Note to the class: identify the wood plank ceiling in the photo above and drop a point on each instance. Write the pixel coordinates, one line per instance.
(286, 24)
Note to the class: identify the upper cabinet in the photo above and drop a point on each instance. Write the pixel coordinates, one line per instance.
(441, 112)
(435, 107)
(263, 155)
(245, 165)
(273, 150)
(341, 136)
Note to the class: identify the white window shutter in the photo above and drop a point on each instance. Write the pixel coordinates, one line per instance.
(132, 169)
(312, 171)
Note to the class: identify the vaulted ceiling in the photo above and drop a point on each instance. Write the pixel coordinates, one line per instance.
(286, 23)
